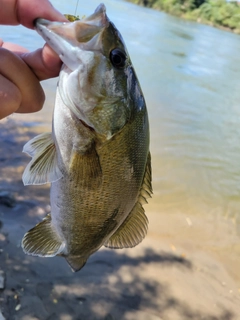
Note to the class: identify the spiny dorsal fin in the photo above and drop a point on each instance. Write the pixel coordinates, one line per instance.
(146, 189)
(43, 167)
(76, 263)
(134, 228)
(42, 240)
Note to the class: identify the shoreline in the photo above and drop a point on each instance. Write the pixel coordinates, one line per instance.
(181, 270)
(194, 15)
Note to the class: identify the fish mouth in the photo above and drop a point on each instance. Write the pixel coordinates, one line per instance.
(68, 38)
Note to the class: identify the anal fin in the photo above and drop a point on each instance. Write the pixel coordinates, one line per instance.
(42, 240)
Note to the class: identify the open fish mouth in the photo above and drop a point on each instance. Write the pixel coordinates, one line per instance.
(68, 38)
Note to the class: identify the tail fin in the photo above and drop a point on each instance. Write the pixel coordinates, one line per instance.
(76, 263)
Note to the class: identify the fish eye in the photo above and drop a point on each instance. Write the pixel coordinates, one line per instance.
(118, 58)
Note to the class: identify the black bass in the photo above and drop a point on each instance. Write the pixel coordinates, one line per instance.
(97, 156)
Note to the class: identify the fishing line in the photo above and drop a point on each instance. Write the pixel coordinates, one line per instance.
(76, 7)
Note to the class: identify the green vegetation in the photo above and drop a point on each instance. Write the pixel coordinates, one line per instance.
(217, 13)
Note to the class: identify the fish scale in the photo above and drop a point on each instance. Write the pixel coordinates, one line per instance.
(97, 156)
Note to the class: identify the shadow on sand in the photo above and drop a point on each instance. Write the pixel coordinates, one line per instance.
(110, 286)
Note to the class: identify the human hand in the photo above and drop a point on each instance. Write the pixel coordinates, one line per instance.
(20, 70)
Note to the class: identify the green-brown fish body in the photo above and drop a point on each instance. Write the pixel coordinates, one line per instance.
(97, 156)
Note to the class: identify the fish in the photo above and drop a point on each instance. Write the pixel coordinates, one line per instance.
(97, 156)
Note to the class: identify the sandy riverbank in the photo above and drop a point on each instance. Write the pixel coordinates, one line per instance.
(186, 268)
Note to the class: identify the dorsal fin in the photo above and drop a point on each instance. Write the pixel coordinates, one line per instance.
(42, 240)
(134, 228)
(131, 232)
(43, 167)
(146, 189)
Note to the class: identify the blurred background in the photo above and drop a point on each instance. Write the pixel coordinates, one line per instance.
(190, 75)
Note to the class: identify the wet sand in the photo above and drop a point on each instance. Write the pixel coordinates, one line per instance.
(184, 268)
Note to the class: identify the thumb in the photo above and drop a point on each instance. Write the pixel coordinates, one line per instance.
(29, 10)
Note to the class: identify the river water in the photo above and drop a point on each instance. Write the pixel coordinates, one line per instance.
(190, 75)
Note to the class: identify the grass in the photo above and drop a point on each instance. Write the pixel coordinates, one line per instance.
(218, 13)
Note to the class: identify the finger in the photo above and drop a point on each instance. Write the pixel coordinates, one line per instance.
(44, 62)
(10, 97)
(17, 72)
(13, 47)
(28, 11)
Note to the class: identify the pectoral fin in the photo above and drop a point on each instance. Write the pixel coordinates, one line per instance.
(42, 240)
(134, 228)
(43, 167)
(86, 168)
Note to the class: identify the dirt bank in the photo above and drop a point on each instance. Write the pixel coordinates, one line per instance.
(178, 272)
